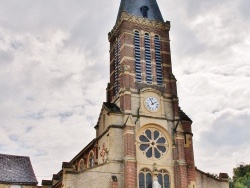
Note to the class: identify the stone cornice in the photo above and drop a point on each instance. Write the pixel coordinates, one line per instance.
(139, 20)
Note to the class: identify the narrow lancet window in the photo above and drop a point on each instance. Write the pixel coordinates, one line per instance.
(158, 61)
(148, 59)
(137, 56)
(117, 67)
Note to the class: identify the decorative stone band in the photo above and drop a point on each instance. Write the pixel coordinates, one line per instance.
(139, 20)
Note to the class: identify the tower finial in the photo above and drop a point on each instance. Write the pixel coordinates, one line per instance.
(141, 8)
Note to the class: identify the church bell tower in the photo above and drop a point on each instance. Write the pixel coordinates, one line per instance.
(143, 138)
(157, 134)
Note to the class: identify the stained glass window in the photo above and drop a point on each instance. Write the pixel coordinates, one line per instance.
(145, 179)
(153, 143)
(91, 161)
(163, 179)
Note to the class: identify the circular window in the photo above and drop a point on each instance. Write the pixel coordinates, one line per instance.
(153, 143)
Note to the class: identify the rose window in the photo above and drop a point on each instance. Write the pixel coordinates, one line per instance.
(153, 143)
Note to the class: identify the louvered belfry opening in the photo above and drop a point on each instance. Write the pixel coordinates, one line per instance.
(117, 67)
(137, 56)
(158, 60)
(148, 59)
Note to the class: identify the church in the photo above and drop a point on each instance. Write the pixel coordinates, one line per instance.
(143, 138)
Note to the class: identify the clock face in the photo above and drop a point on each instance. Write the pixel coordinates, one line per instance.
(152, 104)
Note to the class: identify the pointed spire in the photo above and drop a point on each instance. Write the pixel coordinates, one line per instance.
(141, 8)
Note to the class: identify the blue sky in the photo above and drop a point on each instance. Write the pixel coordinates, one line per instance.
(54, 68)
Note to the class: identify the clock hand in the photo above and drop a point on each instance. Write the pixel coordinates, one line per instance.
(151, 101)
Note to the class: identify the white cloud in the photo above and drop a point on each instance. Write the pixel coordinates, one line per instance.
(45, 91)
(226, 143)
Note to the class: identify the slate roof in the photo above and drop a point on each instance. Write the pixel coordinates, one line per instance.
(47, 182)
(183, 116)
(16, 170)
(67, 165)
(133, 7)
(112, 108)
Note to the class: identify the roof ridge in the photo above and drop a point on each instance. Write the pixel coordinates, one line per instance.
(14, 155)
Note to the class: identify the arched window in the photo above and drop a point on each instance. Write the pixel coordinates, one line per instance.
(91, 160)
(153, 143)
(81, 166)
(163, 179)
(117, 66)
(137, 44)
(158, 60)
(145, 178)
(148, 59)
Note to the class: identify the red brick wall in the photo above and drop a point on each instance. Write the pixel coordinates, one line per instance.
(129, 144)
(183, 151)
(130, 167)
(130, 174)
(114, 184)
(189, 152)
(181, 179)
(125, 102)
(127, 81)
(166, 59)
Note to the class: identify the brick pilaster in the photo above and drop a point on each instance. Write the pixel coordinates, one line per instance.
(130, 175)
(125, 102)
(181, 180)
(189, 152)
(130, 166)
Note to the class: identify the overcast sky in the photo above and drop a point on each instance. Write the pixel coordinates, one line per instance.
(54, 68)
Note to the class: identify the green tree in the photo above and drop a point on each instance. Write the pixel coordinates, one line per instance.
(241, 177)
